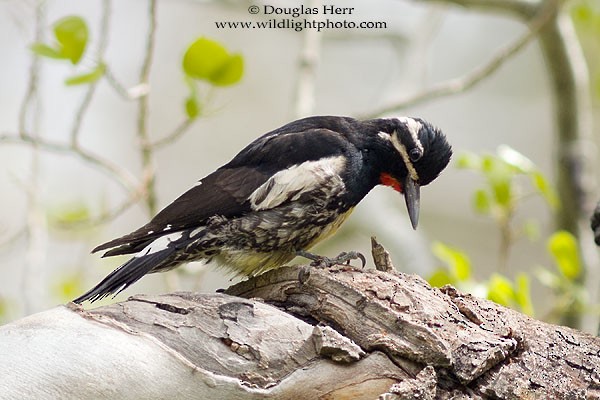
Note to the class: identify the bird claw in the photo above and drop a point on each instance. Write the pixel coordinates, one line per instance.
(343, 258)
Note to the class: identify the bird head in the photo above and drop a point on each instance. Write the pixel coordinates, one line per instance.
(423, 153)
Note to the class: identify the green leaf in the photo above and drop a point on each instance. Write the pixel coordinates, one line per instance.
(440, 277)
(502, 189)
(208, 60)
(582, 13)
(70, 214)
(89, 77)
(500, 290)
(72, 35)
(531, 229)
(523, 294)
(68, 287)
(587, 14)
(458, 262)
(546, 190)
(499, 176)
(3, 308)
(469, 161)
(562, 245)
(481, 201)
(192, 108)
(230, 72)
(488, 163)
(203, 57)
(44, 50)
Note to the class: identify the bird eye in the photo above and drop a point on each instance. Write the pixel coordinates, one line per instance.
(415, 154)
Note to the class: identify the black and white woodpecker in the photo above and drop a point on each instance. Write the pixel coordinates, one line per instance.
(283, 193)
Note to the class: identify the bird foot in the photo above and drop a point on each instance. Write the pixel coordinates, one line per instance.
(343, 258)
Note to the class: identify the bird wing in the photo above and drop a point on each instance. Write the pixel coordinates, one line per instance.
(227, 191)
(224, 192)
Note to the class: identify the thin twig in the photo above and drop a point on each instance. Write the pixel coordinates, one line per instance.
(521, 8)
(469, 80)
(421, 43)
(33, 79)
(304, 102)
(143, 106)
(87, 99)
(11, 239)
(119, 88)
(123, 177)
(106, 216)
(175, 135)
(115, 212)
(36, 227)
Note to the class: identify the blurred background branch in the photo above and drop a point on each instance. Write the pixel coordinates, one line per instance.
(143, 133)
(472, 78)
(36, 229)
(306, 81)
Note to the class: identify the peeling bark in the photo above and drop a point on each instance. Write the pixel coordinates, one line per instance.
(340, 333)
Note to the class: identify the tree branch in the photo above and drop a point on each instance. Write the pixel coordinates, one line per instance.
(525, 9)
(338, 333)
(179, 131)
(124, 178)
(143, 106)
(36, 226)
(304, 102)
(34, 71)
(477, 75)
(91, 90)
(576, 154)
(105, 216)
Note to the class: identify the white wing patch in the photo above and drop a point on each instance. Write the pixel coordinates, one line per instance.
(159, 244)
(289, 184)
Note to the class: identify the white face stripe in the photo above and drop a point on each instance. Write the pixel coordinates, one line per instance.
(384, 135)
(292, 182)
(404, 154)
(414, 127)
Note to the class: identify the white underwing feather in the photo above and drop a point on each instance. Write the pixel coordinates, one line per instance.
(290, 183)
(159, 244)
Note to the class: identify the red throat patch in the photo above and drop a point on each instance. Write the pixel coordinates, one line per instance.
(388, 180)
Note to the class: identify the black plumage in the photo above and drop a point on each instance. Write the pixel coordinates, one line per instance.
(284, 192)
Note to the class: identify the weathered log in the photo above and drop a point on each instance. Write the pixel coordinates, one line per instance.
(477, 348)
(338, 333)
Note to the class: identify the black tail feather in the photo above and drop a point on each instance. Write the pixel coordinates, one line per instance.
(124, 276)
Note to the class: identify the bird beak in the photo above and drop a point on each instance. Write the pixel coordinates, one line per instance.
(412, 196)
